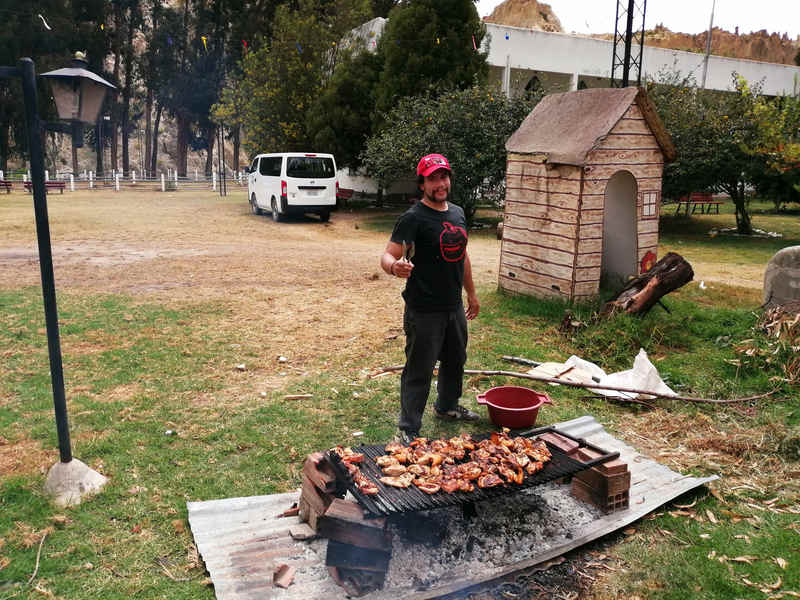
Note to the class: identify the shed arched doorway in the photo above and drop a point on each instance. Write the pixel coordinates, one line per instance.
(619, 230)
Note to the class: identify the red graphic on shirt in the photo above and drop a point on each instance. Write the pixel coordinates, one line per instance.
(452, 242)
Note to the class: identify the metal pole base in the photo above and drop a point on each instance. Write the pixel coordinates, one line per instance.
(71, 482)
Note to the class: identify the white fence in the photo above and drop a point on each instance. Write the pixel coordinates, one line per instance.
(117, 181)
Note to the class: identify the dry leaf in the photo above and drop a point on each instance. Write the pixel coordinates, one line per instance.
(712, 554)
(781, 562)
(718, 496)
(711, 516)
(746, 538)
(178, 526)
(4, 562)
(745, 559)
(629, 531)
(705, 536)
(686, 505)
(776, 585)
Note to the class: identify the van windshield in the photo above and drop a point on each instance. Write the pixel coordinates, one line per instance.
(310, 167)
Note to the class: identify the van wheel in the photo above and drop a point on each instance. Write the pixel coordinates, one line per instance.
(254, 208)
(325, 216)
(276, 216)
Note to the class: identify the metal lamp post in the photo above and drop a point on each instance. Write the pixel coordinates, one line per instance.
(79, 95)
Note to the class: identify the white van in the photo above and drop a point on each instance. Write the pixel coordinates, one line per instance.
(293, 183)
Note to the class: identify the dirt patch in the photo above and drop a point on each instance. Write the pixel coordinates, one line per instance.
(24, 457)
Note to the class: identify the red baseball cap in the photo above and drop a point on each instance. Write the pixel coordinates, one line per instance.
(430, 163)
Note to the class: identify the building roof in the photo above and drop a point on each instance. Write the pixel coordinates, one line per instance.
(567, 126)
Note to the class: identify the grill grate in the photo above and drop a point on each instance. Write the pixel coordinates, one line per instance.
(391, 500)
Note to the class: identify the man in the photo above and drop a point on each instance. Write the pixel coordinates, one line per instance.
(433, 235)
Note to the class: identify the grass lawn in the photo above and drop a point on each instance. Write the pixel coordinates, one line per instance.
(146, 354)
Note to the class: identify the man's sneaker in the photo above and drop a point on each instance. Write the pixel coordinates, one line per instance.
(405, 437)
(459, 413)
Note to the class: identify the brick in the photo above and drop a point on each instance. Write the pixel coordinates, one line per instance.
(607, 468)
(317, 500)
(605, 485)
(606, 503)
(320, 472)
(564, 444)
(344, 522)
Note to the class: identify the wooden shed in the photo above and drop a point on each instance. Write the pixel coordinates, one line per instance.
(583, 193)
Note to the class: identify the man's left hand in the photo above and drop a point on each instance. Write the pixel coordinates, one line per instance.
(473, 307)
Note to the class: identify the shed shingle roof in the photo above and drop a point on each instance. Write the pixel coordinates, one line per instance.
(567, 126)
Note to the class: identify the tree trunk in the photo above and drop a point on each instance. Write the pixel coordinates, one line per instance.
(154, 156)
(99, 143)
(182, 150)
(115, 105)
(236, 144)
(74, 160)
(644, 291)
(126, 96)
(744, 225)
(148, 131)
(4, 140)
(211, 135)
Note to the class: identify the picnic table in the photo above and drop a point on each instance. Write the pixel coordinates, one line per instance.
(702, 200)
(49, 185)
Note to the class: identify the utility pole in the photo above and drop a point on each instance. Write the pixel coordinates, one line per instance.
(628, 42)
(708, 44)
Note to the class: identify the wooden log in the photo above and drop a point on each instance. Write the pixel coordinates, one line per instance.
(352, 557)
(344, 522)
(643, 292)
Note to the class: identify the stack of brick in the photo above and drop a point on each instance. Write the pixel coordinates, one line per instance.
(606, 485)
(359, 549)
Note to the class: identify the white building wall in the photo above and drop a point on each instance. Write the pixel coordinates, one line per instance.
(566, 59)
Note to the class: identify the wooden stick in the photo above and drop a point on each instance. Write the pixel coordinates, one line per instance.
(597, 386)
(38, 555)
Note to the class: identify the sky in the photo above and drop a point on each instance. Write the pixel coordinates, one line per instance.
(684, 16)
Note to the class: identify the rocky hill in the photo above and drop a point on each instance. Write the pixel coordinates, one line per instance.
(525, 13)
(758, 45)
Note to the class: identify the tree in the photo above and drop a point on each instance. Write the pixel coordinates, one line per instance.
(283, 79)
(710, 130)
(430, 43)
(340, 119)
(470, 127)
(776, 146)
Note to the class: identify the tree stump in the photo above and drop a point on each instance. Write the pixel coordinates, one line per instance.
(643, 292)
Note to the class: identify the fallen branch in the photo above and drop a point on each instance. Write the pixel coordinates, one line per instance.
(596, 386)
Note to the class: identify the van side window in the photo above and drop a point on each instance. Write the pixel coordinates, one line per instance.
(254, 166)
(263, 167)
(275, 166)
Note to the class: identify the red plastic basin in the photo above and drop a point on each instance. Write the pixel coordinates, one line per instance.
(512, 406)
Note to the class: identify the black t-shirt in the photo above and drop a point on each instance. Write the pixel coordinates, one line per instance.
(440, 245)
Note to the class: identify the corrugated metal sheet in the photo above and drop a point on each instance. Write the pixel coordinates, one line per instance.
(242, 542)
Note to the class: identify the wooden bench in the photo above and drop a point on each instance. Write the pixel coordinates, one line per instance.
(4, 183)
(49, 185)
(343, 195)
(702, 200)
